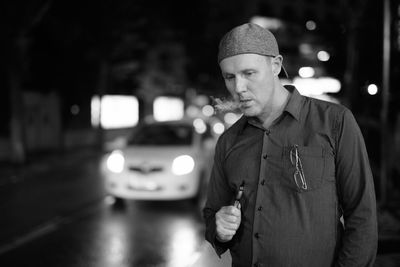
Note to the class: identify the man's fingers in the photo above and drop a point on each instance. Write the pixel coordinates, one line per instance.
(228, 218)
(227, 225)
(231, 210)
(227, 221)
(226, 231)
(229, 215)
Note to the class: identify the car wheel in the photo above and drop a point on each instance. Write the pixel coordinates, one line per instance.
(119, 202)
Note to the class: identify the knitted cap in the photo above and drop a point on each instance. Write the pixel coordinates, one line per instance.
(248, 38)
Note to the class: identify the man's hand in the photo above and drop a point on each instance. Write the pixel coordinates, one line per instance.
(227, 220)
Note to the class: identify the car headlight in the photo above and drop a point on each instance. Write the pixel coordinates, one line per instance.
(116, 161)
(182, 165)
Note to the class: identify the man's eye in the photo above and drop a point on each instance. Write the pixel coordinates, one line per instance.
(249, 73)
(229, 77)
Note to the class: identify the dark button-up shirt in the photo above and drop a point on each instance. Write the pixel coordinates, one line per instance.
(296, 221)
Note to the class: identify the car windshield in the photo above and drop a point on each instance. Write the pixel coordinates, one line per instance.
(162, 134)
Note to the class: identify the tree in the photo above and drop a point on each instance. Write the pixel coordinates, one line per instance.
(354, 10)
(18, 25)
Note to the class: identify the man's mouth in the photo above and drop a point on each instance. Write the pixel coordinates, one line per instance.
(245, 102)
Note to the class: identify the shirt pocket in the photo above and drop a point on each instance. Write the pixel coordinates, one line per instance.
(303, 167)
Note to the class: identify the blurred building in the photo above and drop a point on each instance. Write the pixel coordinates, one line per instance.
(149, 52)
(42, 121)
(302, 10)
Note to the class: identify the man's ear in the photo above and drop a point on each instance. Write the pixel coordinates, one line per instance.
(276, 63)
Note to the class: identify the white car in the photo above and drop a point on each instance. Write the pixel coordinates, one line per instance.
(162, 161)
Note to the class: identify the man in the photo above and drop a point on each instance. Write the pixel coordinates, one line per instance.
(295, 166)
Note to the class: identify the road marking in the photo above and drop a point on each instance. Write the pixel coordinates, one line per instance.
(50, 226)
(40, 231)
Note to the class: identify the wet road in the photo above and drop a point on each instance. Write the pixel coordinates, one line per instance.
(141, 234)
(56, 214)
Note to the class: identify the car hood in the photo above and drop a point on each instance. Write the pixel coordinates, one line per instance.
(160, 155)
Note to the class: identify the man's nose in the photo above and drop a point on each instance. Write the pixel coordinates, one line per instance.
(240, 85)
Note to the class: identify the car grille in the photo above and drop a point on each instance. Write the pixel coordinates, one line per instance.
(145, 169)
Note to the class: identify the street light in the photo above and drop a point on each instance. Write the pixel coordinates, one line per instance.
(372, 89)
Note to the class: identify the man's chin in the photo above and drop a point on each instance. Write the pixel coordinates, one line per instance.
(248, 112)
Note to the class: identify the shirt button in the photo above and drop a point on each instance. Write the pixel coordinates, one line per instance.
(263, 182)
(265, 156)
(260, 208)
(267, 132)
(256, 235)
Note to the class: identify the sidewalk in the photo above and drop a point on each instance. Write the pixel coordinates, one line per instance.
(12, 173)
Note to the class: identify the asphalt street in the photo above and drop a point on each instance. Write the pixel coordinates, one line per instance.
(55, 213)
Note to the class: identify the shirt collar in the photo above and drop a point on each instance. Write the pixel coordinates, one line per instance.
(293, 106)
(294, 103)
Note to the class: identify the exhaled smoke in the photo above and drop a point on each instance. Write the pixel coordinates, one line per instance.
(225, 105)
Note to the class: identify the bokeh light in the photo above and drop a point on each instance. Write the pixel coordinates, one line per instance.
(323, 56)
(306, 72)
(372, 89)
(311, 25)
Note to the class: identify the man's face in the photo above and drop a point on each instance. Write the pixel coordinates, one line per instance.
(250, 80)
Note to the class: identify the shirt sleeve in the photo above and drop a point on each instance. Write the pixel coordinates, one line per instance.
(218, 195)
(356, 195)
